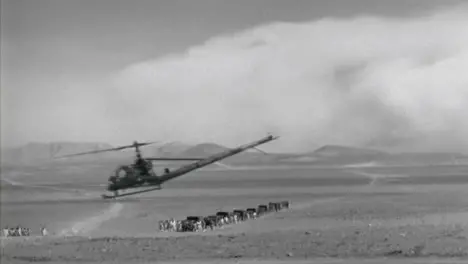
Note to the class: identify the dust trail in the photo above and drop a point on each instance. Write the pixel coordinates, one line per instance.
(85, 226)
(8, 178)
(375, 177)
(53, 188)
(11, 182)
(222, 165)
(308, 204)
(363, 165)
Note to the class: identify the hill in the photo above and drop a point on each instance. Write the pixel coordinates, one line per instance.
(334, 155)
(172, 149)
(336, 151)
(36, 152)
(331, 155)
(206, 149)
(203, 150)
(328, 155)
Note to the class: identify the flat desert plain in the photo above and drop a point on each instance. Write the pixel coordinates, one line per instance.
(347, 214)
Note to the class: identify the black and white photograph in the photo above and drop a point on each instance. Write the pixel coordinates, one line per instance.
(234, 131)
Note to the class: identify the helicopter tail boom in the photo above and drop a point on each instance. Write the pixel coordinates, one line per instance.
(214, 158)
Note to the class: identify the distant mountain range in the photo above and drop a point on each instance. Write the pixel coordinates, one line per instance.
(36, 153)
(328, 155)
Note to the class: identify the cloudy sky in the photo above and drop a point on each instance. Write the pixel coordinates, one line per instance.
(382, 73)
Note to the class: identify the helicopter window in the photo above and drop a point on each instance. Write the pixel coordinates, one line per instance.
(149, 165)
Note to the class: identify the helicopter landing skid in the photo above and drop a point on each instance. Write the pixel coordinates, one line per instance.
(105, 196)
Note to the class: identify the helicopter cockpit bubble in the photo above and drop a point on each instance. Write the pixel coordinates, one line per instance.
(112, 179)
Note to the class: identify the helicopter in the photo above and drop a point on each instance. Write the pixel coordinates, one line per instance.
(140, 173)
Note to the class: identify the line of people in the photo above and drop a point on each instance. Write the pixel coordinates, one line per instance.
(220, 219)
(20, 231)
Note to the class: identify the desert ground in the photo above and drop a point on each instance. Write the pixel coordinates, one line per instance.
(339, 214)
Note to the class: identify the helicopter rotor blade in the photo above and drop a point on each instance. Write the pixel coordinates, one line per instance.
(173, 158)
(136, 144)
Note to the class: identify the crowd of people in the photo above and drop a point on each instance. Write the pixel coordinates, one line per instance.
(19, 231)
(220, 219)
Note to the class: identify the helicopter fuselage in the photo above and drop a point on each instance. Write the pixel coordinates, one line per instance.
(130, 183)
(133, 176)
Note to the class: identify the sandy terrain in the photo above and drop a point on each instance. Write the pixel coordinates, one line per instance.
(386, 215)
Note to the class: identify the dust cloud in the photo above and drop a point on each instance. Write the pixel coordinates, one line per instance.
(86, 226)
(362, 81)
(365, 81)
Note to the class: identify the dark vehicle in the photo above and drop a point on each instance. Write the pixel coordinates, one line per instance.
(222, 214)
(210, 221)
(241, 214)
(216, 219)
(188, 226)
(251, 212)
(284, 204)
(262, 209)
(273, 207)
(194, 218)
